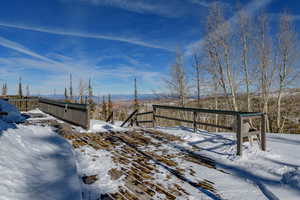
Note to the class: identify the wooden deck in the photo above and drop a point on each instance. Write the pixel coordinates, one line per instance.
(151, 164)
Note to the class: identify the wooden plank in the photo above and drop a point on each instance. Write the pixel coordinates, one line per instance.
(144, 121)
(191, 122)
(239, 135)
(3, 113)
(110, 117)
(129, 118)
(222, 112)
(153, 117)
(263, 132)
(194, 121)
(144, 113)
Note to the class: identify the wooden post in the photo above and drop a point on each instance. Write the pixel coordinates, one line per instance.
(112, 118)
(194, 121)
(26, 106)
(239, 123)
(153, 117)
(263, 132)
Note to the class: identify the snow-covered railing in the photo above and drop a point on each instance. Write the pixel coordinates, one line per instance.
(77, 114)
(238, 125)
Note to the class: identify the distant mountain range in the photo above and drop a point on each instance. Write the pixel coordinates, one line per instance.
(115, 97)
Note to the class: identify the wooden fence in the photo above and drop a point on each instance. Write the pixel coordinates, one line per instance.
(240, 118)
(24, 103)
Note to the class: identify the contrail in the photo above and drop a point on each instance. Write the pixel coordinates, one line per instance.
(86, 35)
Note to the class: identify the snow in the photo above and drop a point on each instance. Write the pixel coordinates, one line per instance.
(96, 162)
(98, 126)
(35, 163)
(274, 174)
(13, 115)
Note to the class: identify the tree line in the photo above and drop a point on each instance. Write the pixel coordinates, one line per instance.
(254, 57)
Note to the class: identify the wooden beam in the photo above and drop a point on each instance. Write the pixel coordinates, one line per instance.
(129, 118)
(263, 132)
(239, 136)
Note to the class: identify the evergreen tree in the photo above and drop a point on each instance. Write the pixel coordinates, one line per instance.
(110, 105)
(20, 90)
(71, 88)
(90, 90)
(136, 103)
(66, 94)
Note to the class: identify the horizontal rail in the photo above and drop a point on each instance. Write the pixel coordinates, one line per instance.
(145, 121)
(3, 113)
(223, 112)
(174, 119)
(23, 100)
(144, 113)
(75, 106)
(191, 122)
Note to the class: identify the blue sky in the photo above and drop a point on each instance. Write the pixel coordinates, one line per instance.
(109, 41)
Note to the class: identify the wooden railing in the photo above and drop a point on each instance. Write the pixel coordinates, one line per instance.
(240, 118)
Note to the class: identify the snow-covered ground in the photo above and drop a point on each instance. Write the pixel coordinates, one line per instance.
(274, 174)
(92, 162)
(36, 163)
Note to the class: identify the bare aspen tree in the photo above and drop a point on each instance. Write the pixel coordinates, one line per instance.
(177, 84)
(265, 68)
(136, 103)
(245, 37)
(219, 51)
(4, 89)
(287, 54)
(198, 68)
(82, 90)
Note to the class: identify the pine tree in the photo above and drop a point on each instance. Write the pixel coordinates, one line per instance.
(3, 90)
(66, 94)
(136, 103)
(104, 108)
(20, 90)
(71, 88)
(110, 105)
(90, 90)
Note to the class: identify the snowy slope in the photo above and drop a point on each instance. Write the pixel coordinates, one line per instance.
(275, 174)
(35, 163)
